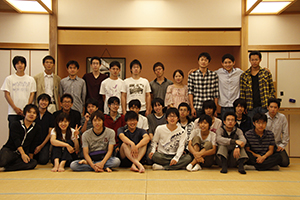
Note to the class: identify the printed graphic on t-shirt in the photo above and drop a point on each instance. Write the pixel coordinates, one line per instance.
(173, 144)
(100, 144)
(20, 86)
(136, 88)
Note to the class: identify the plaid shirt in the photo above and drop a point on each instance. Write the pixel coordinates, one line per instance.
(203, 87)
(266, 87)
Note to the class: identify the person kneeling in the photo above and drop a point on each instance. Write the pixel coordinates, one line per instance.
(134, 144)
(202, 145)
(169, 139)
(98, 144)
(231, 143)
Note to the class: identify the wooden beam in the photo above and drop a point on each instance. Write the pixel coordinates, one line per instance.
(244, 38)
(53, 31)
(23, 46)
(274, 47)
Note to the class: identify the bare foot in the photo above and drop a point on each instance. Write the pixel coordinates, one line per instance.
(54, 169)
(134, 168)
(82, 162)
(108, 169)
(142, 169)
(61, 169)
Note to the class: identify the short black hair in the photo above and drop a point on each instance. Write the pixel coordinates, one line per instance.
(206, 55)
(260, 116)
(184, 104)
(158, 64)
(135, 62)
(66, 95)
(229, 56)
(255, 53)
(229, 113)
(207, 118)
(44, 96)
(28, 107)
(115, 63)
(172, 111)
(91, 101)
(273, 100)
(131, 115)
(96, 58)
(73, 62)
(179, 71)
(48, 58)
(18, 59)
(209, 104)
(241, 102)
(157, 101)
(97, 114)
(134, 102)
(112, 100)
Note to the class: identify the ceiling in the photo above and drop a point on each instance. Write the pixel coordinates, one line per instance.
(293, 9)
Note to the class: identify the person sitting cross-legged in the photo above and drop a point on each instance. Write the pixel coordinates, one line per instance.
(134, 144)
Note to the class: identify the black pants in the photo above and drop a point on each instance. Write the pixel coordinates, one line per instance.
(12, 161)
(43, 156)
(269, 162)
(63, 154)
(285, 158)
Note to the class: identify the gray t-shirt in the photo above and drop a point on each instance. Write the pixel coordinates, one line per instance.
(98, 142)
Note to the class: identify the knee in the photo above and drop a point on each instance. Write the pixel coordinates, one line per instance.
(74, 165)
(115, 162)
(33, 163)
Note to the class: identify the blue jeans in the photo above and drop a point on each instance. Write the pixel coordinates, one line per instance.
(112, 162)
(252, 112)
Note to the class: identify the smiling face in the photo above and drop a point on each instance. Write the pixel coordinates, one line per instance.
(204, 126)
(158, 109)
(43, 103)
(228, 64)
(178, 78)
(172, 119)
(91, 108)
(135, 109)
(63, 125)
(20, 67)
(114, 107)
(131, 123)
(97, 123)
(239, 110)
(31, 115)
(66, 104)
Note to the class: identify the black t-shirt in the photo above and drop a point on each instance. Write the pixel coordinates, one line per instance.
(45, 123)
(135, 137)
(255, 91)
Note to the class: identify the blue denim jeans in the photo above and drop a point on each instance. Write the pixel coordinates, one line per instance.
(112, 162)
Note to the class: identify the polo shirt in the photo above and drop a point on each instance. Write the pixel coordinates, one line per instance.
(257, 144)
(159, 90)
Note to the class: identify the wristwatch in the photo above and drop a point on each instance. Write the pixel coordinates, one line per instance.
(237, 146)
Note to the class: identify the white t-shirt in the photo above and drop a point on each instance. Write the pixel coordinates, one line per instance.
(136, 89)
(19, 88)
(109, 88)
(143, 122)
(53, 132)
(212, 137)
(214, 127)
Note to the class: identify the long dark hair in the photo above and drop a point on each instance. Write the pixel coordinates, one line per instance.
(61, 117)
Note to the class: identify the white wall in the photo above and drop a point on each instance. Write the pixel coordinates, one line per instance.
(24, 28)
(274, 30)
(150, 13)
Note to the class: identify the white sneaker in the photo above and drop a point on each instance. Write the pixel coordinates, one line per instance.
(189, 167)
(157, 167)
(196, 168)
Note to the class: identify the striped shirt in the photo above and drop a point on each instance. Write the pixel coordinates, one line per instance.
(266, 87)
(257, 144)
(203, 87)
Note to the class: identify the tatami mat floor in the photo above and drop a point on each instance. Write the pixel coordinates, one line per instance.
(41, 183)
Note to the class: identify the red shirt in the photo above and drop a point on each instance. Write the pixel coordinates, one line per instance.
(110, 123)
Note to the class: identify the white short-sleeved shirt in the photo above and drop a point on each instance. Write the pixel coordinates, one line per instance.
(143, 122)
(109, 88)
(19, 88)
(53, 132)
(136, 89)
(212, 137)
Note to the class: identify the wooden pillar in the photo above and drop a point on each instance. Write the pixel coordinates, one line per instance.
(53, 32)
(244, 38)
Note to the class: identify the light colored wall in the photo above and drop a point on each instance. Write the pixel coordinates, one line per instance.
(150, 13)
(24, 28)
(274, 30)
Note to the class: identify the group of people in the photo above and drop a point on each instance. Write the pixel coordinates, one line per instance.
(98, 123)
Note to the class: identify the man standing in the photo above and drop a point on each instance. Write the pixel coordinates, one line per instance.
(93, 81)
(203, 85)
(74, 85)
(229, 84)
(160, 84)
(48, 82)
(256, 86)
(19, 89)
(136, 87)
